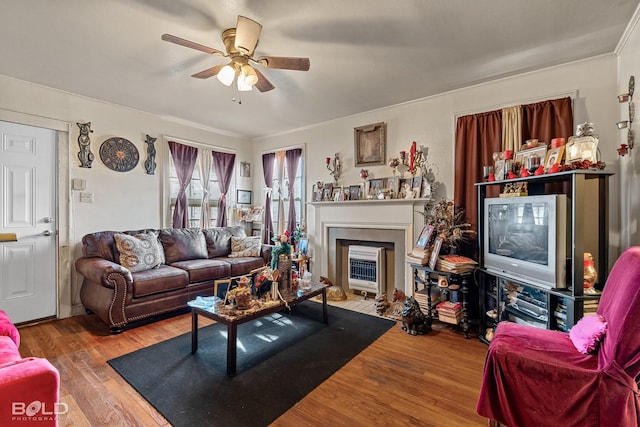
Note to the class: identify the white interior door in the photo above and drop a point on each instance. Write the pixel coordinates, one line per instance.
(28, 210)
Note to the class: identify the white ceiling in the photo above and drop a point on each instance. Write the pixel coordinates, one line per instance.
(365, 54)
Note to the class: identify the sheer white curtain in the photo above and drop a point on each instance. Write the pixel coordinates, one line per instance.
(205, 160)
(280, 156)
(512, 128)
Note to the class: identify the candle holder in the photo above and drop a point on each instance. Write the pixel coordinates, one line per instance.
(335, 168)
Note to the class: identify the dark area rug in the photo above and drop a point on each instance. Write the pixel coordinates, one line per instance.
(281, 358)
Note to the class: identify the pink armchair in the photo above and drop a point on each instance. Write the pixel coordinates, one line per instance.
(536, 377)
(29, 387)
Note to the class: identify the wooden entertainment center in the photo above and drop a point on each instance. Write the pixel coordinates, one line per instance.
(587, 231)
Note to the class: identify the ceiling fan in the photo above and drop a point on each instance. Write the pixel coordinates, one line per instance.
(240, 43)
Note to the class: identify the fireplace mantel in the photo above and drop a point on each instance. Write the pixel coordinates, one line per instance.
(366, 217)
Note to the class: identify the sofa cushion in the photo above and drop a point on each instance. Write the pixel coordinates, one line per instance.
(183, 244)
(244, 265)
(204, 269)
(219, 239)
(162, 279)
(245, 246)
(140, 252)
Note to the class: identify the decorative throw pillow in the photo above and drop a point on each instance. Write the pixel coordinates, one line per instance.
(245, 246)
(587, 333)
(140, 252)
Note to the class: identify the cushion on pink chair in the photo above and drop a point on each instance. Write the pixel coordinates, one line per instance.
(587, 333)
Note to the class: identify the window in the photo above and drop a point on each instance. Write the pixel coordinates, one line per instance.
(297, 194)
(194, 195)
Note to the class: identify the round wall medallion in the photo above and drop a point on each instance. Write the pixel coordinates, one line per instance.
(119, 154)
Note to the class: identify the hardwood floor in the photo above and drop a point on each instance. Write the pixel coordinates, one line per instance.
(400, 380)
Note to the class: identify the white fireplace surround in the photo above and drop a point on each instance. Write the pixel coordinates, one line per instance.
(390, 223)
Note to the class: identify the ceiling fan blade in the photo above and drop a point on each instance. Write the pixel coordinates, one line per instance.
(285, 63)
(192, 45)
(209, 72)
(247, 35)
(263, 85)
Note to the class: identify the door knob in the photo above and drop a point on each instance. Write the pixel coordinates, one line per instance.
(48, 220)
(46, 233)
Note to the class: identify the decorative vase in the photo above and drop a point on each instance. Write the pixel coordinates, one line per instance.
(284, 267)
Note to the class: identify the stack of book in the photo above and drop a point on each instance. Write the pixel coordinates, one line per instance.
(419, 256)
(449, 312)
(456, 264)
(421, 298)
(590, 306)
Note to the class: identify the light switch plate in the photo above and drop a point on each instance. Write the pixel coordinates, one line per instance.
(78, 184)
(86, 197)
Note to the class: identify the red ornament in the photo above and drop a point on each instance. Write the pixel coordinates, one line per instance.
(539, 171)
(524, 172)
(491, 177)
(554, 168)
(412, 157)
(511, 175)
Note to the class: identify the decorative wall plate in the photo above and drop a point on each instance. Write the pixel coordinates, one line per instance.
(119, 154)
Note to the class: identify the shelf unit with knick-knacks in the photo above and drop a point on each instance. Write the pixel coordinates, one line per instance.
(508, 296)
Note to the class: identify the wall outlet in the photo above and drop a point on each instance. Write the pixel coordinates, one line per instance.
(86, 197)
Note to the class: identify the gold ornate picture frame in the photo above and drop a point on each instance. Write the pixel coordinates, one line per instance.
(370, 144)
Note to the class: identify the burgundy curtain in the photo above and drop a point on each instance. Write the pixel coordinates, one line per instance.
(478, 136)
(292, 159)
(268, 160)
(547, 120)
(184, 160)
(223, 165)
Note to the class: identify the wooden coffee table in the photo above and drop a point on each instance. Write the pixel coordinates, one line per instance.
(233, 318)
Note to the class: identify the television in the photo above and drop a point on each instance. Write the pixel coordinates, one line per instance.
(526, 238)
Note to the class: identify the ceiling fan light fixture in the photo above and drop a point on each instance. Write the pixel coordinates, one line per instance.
(226, 75)
(249, 75)
(243, 86)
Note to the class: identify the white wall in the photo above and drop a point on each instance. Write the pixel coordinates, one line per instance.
(629, 65)
(431, 122)
(122, 200)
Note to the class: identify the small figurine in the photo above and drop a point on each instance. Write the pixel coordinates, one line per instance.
(150, 163)
(539, 171)
(85, 155)
(590, 273)
(381, 303)
(511, 175)
(414, 321)
(491, 177)
(524, 172)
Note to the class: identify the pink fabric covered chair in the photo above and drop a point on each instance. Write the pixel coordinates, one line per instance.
(29, 387)
(535, 377)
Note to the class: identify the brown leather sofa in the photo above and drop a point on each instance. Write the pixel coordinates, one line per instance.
(193, 259)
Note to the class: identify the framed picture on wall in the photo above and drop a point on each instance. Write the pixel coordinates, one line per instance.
(243, 197)
(369, 144)
(245, 169)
